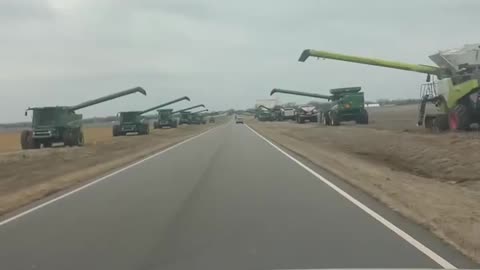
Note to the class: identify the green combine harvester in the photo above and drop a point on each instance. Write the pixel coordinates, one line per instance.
(185, 117)
(61, 123)
(264, 114)
(133, 121)
(347, 105)
(456, 94)
(165, 119)
(198, 118)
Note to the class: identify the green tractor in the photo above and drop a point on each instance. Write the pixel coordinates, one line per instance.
(61, 123)
(198, 118)
(456, 94)
(183, 116)
(347, 105)
(133, 121)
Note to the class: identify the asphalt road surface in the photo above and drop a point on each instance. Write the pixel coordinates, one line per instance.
(223, 200)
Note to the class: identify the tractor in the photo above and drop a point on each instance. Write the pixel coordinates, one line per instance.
(60, 124)
(347, 105)
(133, 121)
(456, 93)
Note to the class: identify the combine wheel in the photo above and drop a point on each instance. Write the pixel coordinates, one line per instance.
(363, 118)
(325, 119)
(68, 138)
(27, 141)
(334, 119)
(116, 130)
(439, 123)
(458, 118)
(81, 139)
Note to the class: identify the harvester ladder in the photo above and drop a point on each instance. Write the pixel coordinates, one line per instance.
(428, 93)
(429, 90)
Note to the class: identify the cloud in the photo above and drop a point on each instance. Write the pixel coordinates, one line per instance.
(222, 53)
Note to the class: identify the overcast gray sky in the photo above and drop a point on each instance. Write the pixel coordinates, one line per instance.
(225, 54)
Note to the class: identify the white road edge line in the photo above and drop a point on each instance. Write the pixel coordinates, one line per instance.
(101, 179)
(422, 248)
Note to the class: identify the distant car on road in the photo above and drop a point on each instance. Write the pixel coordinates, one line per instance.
(239, 120)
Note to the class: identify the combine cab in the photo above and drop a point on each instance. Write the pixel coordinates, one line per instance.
(456, 94)
(61, 124)
(165, 119)
(133, 122)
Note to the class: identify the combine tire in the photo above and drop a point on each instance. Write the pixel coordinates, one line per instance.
(116, 130)
(80, 139)
(334, 119)
(68, 138)
(439, 124)
(363, 118)
(27, 141)
(325, 119)
(458, 118)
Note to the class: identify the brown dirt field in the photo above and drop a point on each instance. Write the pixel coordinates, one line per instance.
(398, 118)
(431, 179)
(29, 175)
(10, 141)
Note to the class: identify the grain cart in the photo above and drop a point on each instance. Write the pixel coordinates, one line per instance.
(61, 123)
(347, 105)
(456, 94)
(133, 121)
(184, 117)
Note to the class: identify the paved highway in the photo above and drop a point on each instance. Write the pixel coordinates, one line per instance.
(224, 200)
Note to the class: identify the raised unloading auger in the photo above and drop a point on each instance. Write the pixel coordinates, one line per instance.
(347, 105)
(456, 94)
(204, 110)
(61, 123)
(133, 122)
(189, 108)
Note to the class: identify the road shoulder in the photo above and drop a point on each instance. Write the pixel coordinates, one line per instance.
(444, 209)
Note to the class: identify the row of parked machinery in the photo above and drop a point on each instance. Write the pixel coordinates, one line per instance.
(61, 124)
(455, 95)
